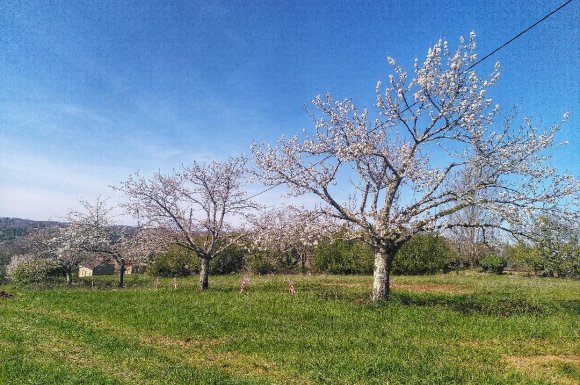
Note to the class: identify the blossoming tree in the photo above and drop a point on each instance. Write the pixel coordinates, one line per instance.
(406, 165)
(292, 232)
(60, 246)
(199, 204)
(93, 230)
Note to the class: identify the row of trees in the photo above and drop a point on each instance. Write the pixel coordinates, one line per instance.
(424, 253)
(432, 158)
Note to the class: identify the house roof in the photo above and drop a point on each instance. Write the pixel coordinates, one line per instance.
(94, 262)
(99, 261)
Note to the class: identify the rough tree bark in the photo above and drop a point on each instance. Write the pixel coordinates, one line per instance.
(382, 275)
(204, 273)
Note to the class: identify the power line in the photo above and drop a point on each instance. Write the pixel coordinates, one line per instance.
(519, 34)
(266, 190)
(467, 69)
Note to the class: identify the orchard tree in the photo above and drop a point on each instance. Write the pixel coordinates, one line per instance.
(96, 232)
(408, 162)
(61, 246)
(471, 242)
(293, 232)
(198, 204)
(557, 246)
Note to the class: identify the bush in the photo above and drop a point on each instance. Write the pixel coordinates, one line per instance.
(343, 257)
(36, 272)
(493, 264)
(523, 257)
(3, 277)
(424, 253)
(273, 262)
(558, 247)
(176, 262)
(180, 262)
(261, 263)
(230, 261)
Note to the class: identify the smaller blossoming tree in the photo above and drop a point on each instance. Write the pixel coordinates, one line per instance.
(59, 245)
(199, 205)
(95, 231)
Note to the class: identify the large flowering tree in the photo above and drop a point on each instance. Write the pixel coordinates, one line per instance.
(199, 205)
(406, 166)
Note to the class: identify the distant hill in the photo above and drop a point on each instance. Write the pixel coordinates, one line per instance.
(12, 228)
(6, 223)
(13, 231)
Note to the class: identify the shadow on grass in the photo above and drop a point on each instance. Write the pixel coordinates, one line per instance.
(503, 305)
(493, 305)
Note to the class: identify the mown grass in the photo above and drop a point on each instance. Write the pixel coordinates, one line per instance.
(452, 329)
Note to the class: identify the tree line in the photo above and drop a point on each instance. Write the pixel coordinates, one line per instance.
(425, 253)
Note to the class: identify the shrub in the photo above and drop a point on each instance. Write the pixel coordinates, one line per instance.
(523, 257)
(176, 262)
(493, 264)
(230, 261)
(343, 257)
(180, 262)
(424, 253)
(36, 272)
(261, 263)
(3, 277)
(558, 247)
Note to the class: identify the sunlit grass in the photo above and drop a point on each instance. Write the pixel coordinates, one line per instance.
(452, 329)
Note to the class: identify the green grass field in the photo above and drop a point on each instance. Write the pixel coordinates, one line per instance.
(453, 329)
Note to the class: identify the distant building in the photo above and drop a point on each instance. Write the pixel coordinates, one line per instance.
(134, 268)
(105, 266)
(97, 266)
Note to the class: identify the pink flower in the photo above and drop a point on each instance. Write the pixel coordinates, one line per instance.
(245, 282)
(291, 288)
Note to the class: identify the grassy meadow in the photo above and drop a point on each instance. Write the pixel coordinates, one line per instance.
(452, 329)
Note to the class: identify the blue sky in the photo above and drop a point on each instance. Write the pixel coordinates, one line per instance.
(92, 91)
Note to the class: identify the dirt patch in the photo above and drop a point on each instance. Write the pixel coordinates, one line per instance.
(183, 343)
(350, 285)
(557, 369)
(427, 287)
(432, 287)
(5, 294)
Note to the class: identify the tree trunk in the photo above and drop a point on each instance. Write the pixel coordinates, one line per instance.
(305, 264)
(203, 273)
(68, 274)
(308, 264)
(121, 273)
(381, 275)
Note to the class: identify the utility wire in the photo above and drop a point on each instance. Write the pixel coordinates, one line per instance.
(467, 69)
(519, 34)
